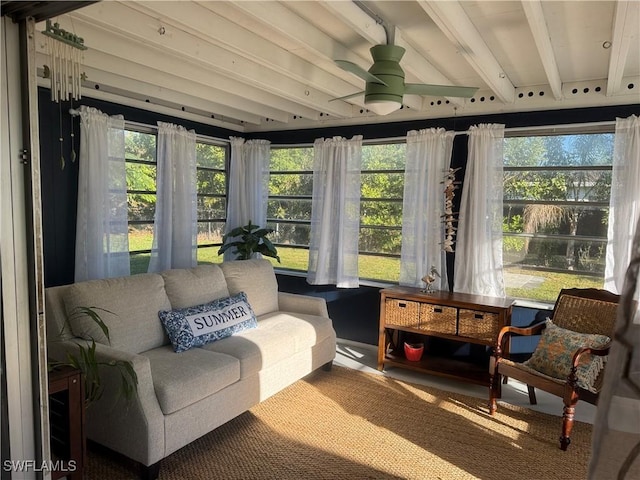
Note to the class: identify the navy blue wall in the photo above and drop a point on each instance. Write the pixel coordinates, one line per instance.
(354, 311)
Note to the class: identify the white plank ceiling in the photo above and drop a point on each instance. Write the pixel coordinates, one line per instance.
(255, 66)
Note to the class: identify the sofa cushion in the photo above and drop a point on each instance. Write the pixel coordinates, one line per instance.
(128, 306)
(554, 354)
(257, 279)
(278, 335)
(201, 324)
(194, 286)
(182, 379)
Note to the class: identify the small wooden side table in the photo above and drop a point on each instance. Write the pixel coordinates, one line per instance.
(66, 421)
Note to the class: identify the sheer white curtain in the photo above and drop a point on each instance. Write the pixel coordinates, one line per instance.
(478, 261)
(335, 212)
(175, 226)
(427, 159)
(624, 209)
(248, 184)
(102, 238)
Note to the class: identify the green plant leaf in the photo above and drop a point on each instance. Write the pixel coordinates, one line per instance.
(97, 319)
(85, 359)
(91, 312)
(253, 239)
(236, 232)
(227, 246)
(263, 232)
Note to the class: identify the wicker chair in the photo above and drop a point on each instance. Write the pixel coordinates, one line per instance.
(587, 310)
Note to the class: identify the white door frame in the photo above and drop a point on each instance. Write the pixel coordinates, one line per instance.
(21, 261)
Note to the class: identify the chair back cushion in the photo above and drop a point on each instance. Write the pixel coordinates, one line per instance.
(584, 314)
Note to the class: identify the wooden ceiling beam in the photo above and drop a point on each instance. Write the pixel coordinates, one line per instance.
(625, 30)
(310, 40)
(104, 70)
(146, 31)
(538, 26)
(203, 21)
(451, 18)
(228, 91)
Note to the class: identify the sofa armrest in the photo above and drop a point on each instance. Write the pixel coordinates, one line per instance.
(134, 427)
(293, 302)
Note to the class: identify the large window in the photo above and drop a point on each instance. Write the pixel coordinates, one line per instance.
(556, 200)
(140, 151)
(381, 211)
(289, 208)
(212, 200)
(140, 155)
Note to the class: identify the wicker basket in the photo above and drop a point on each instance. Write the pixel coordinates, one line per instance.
(403, 313)
(481, 325)
(438, 318)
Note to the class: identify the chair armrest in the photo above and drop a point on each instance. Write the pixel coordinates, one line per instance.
(600, 352)
(296, 303)
(522, 331)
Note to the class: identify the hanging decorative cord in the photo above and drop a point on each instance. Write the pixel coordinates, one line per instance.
(62, 162)
(65, 56)
(450, 217)
(65, 71)
(72, 135)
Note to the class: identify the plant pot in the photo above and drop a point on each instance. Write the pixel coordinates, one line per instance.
(413, 351)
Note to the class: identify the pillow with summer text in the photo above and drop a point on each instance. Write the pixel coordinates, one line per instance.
(201, 324)
(554, 355)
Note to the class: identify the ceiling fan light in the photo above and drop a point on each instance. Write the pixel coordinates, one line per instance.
(383, 107)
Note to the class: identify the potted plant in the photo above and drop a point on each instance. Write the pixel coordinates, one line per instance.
(85, 360)
(247, 241)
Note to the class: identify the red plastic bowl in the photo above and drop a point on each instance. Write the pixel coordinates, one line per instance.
(413, 351)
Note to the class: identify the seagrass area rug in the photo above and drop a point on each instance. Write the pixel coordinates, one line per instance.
(345, 424)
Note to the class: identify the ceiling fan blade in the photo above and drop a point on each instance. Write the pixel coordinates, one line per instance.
(348, 96)
(439, 90)
(358, 71)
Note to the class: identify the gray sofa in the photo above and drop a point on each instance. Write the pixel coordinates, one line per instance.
(182, 396)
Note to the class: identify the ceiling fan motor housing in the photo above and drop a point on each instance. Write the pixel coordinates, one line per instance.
(386, 67)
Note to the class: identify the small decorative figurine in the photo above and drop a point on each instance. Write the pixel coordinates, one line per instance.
(429, 278)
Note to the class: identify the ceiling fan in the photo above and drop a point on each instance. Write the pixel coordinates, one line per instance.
(385, 85)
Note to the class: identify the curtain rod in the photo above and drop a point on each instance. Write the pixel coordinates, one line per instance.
(143, 126)
(564, 126)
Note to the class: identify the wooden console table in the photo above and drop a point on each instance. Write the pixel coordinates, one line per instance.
(66, 422)
(454, 316)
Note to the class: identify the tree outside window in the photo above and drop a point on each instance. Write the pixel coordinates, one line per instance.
(556, 199)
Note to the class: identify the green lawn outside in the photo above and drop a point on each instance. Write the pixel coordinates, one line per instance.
(527, 284)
